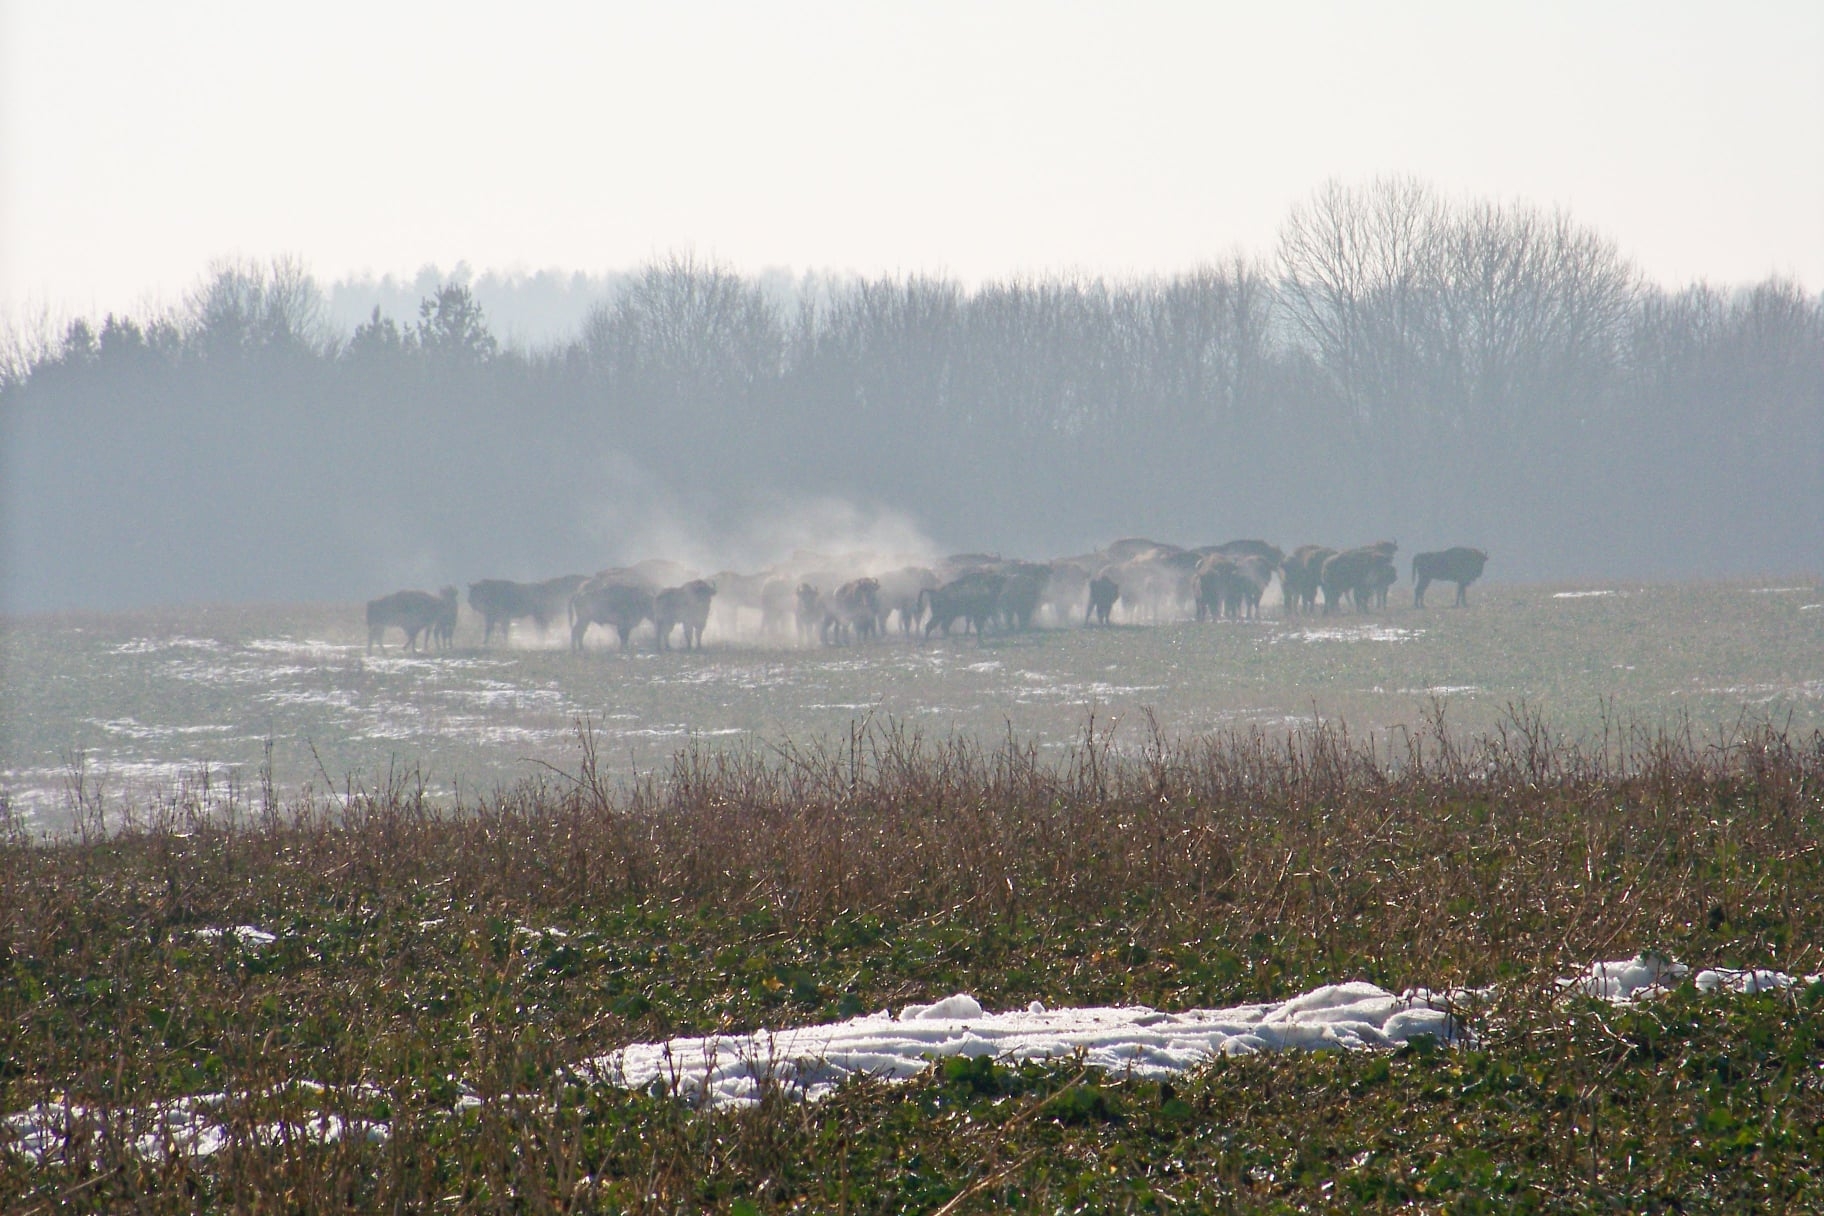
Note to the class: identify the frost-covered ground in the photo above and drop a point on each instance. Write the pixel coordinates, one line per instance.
(105, 711)
(809, 1062)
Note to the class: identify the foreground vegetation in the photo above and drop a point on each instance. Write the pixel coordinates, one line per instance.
(441, 970)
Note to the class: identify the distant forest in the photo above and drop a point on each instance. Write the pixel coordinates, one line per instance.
(1401, 366)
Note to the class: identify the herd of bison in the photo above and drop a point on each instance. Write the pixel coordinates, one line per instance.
(831, 601)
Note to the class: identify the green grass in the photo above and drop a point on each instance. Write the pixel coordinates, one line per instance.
(444, 969)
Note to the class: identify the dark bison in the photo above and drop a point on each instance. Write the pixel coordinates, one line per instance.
(1373, 591)
(1360, 575)
(415, 612)
(1103, 592)
(617, 603)
(1301, 574)
(502, 601)
(972, 598)
(1459, 565)
(1021, 593)
(687, 606)
(853, 611)
(1231, 586)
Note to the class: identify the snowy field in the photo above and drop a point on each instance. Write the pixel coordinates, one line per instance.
(810, 1062)
(105, 711)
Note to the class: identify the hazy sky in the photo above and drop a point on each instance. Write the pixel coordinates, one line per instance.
(139, 141)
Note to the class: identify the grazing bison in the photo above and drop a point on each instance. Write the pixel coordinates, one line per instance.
(687, 606)
(415, 612)
(1103, 592)
(1460, 565)
(615, 602)
(973, 598)
(501, 602)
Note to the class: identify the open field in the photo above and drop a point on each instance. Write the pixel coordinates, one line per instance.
(138, 703)
(243, 994)
(386, 1005)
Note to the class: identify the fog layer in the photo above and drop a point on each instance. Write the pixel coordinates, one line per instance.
(1397, 367)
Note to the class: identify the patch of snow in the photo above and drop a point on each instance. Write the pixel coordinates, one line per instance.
(251, 936)
(1356, 633)
(190, 1127)
(309, 647)
(154, 645)
(1627, 980)
(1728, 979)
(812, 1061)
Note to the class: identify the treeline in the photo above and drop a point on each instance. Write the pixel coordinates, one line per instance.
(1401, 366)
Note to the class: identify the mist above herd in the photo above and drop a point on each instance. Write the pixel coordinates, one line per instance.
(1399, 366)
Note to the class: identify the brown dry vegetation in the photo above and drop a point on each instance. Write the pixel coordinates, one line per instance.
(416, 965)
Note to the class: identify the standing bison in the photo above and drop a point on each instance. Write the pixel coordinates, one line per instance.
(1361, 575)
(1231, 586)
(1301, 574)
(899, 592)
(1460, 565)
(973, 598)
(853, 611)
(415, 612)
(501, 602)
(687, 606)
(1103, 592)
(620, 604)
(1021, 594)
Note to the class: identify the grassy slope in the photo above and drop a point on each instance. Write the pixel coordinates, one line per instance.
(416, 965)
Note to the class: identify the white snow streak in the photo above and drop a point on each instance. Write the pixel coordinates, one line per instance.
(811, 1061)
